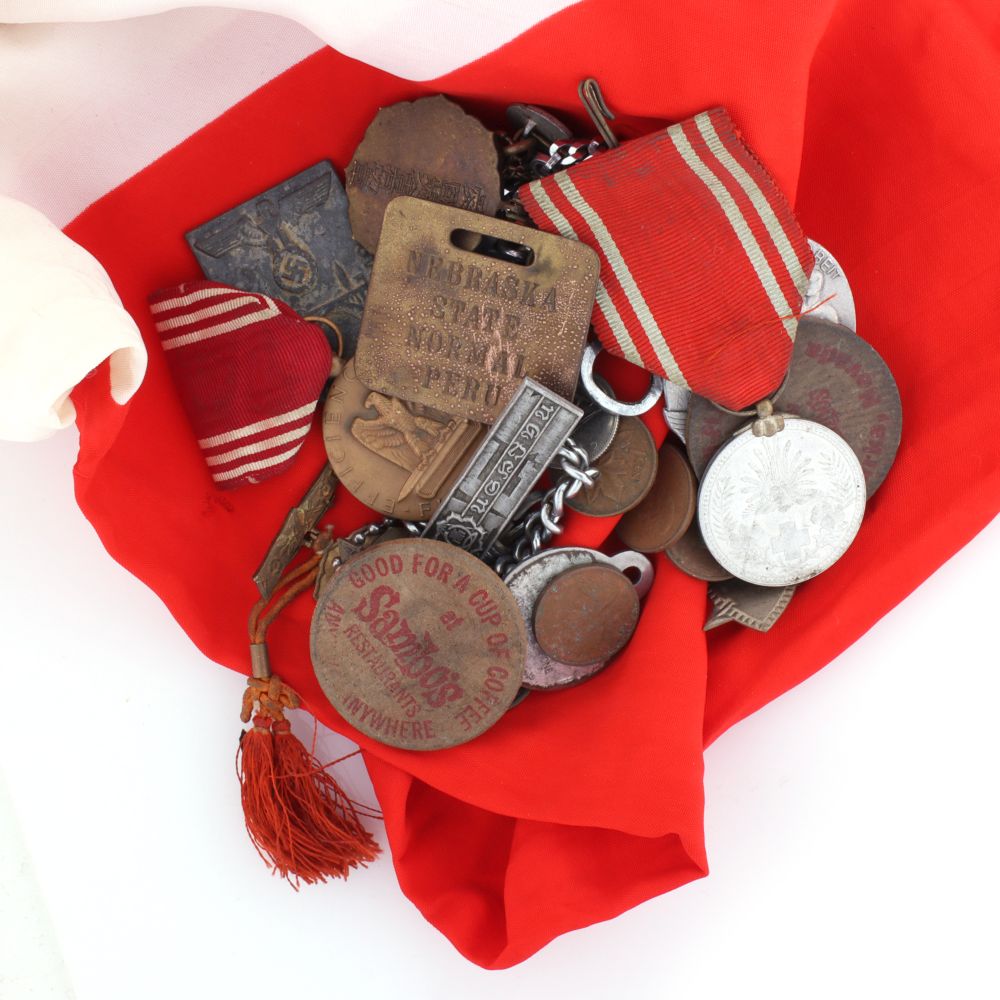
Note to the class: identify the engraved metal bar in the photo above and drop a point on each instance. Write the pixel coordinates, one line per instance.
(523, 440)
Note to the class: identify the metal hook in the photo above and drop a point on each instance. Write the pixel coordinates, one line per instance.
(593, 100)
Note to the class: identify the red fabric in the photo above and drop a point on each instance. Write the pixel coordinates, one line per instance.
(876, 121)
(670, 215)
(249, 372)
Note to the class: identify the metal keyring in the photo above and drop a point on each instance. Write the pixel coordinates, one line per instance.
(609, 403)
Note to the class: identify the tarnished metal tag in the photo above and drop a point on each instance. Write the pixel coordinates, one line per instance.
(457, 330)
(504, 468)
(292, 242)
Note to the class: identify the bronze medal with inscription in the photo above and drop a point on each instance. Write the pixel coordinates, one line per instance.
(836, 379)
(395, 457)
(418, 644)
(668, 510)
(430, 149)
(627, 471)
(586, 614)
(460, 329)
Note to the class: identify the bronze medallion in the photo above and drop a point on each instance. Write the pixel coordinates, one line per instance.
(691, 556)
(430, 149)
(668, 510)
(627, 471)
(835, 379)
(418, 644)
(586, 614)
(460, 330)
(397, 458)
(747, 604)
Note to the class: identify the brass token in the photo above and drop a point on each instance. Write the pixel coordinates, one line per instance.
(627, 471)
(668, 510)
(586, 614)
(395, 457)
(690, 555)
(430, 149)
(418, 644)
(836, 379)
(457, 329)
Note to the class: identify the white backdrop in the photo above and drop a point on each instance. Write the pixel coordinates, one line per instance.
(852, 825)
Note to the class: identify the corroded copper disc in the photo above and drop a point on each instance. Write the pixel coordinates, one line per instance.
(585, 614)
(627, 470)
(836, 379)
(667, 511)
(430, 149)
(395, 457)
(418, 644)
(690, 555)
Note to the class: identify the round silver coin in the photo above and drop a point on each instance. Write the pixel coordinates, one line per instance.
(528, 579)
(828, 285)
(675, 407)
(778, 510)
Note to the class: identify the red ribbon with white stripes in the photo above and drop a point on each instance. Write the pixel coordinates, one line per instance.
(249, 371)
(703, 264)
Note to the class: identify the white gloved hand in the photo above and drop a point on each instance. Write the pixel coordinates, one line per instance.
(60, 317)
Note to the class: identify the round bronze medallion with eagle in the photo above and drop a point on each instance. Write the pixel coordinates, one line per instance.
(398, 458)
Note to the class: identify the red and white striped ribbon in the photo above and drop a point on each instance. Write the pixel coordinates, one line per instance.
(249, 372)
(703, 264)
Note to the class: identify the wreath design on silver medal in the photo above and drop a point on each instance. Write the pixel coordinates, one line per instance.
(778, 510)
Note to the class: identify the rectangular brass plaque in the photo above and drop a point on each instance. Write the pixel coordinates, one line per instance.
(458, 331)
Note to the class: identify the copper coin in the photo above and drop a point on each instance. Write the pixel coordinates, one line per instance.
(418, 644)
(430, 149)
(836, 379)
(668, 510)
(397, 458)
(690, 555)
(627, 471)
(585, 614)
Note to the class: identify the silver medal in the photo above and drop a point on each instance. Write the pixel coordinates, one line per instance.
(828, 295)
(675, 407)
(778, 510)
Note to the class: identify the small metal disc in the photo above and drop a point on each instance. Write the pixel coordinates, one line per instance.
(666, 513)
(675, 407)
(418, 644)
(828, 295)
(836, 379)
(597, 428)
(606, 402)
(586, 614)
(627, 470)
(691, 556)
(429, 149)
(779, 510)
(533, 120)
(528, 579)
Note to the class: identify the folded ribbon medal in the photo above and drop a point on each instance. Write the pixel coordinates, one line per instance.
(703, 264)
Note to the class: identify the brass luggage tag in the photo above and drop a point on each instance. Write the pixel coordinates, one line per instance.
(292, 242)
(458, 329)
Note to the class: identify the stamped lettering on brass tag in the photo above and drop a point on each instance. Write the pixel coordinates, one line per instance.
(457, 330)
(292, 242)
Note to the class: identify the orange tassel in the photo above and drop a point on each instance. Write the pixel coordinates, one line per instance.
(299, 819)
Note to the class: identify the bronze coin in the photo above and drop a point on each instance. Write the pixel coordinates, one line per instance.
(397, 458)
(586, 614)
(418, 644)
(690, 555)
(627, 470)
(668, 510)
(430, 149)
(836, 379)
(747, 604)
